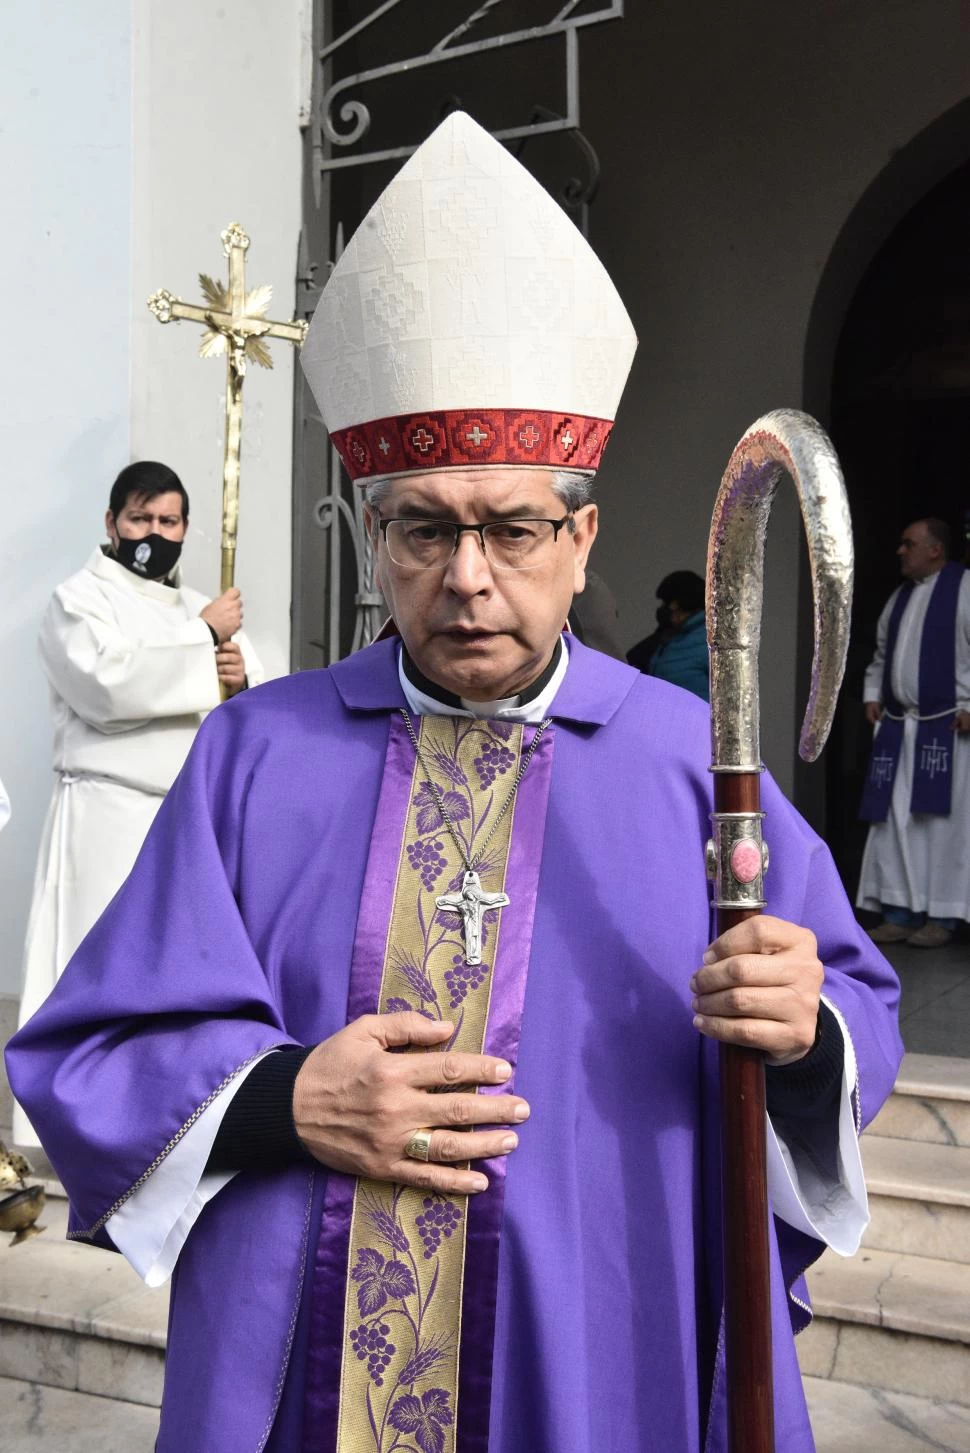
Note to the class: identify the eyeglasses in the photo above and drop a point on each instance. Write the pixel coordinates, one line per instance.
(506, 544)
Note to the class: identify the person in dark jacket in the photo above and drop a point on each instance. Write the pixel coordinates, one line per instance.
(677, 649)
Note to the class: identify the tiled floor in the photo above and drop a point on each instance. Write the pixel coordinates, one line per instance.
(934, 1012)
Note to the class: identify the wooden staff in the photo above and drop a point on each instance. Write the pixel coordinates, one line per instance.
(785, 441)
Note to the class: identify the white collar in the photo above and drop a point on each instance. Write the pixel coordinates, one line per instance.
(111, 569)
(506, 710)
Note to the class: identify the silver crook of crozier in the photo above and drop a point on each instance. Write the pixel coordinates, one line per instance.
(785, 441)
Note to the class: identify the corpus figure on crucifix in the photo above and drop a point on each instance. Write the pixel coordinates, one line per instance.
(471, 905)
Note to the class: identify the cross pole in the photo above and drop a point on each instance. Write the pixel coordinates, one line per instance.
(236, 325)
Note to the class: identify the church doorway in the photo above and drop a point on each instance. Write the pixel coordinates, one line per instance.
(900, 420)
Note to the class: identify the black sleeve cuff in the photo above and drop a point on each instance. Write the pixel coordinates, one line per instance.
(257, 1130)
(809, 1087)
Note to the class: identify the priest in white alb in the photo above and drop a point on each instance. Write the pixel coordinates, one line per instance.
(135, 659)
(916, 866)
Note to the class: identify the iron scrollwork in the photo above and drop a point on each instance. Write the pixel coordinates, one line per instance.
(355, 116)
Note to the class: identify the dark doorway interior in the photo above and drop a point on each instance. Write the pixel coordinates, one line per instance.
(901, 424)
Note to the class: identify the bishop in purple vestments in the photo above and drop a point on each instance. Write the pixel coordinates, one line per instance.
(417, 1198)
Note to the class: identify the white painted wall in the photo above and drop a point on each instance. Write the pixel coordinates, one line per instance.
(131, 134)
(65, 168)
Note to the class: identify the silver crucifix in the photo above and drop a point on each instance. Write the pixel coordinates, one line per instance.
(470, 903)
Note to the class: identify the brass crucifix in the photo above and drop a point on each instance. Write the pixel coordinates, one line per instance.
(236, 325)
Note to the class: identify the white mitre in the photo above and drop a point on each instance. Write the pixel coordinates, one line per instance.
(467, 323)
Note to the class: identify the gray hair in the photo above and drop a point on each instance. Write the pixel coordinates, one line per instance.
(574, 489)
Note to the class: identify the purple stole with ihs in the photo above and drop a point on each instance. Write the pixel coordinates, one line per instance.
(933, 754)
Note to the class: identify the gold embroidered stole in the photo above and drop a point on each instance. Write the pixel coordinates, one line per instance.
(403, 1309)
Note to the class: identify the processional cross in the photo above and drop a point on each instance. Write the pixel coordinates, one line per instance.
(236, 325)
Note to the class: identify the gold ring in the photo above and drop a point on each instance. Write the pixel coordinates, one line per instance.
(419, 1145)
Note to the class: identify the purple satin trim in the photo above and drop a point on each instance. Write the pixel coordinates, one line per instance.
(380, 880)
(502, 1034)
(329, 1287)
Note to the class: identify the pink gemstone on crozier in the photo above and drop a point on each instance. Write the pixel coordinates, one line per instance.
(746, 860)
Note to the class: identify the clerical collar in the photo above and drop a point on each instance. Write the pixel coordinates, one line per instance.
(426, 697)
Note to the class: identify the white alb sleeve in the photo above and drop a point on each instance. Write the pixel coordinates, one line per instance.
(152, 1226)
(831, 1206)
(872, 687)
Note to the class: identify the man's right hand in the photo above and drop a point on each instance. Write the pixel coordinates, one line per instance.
(224, 614)
(356, 1104)
(873, 712)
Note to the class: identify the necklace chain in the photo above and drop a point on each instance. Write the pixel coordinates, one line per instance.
(472, 863)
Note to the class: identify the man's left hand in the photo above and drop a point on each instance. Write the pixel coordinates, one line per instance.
(961, 722)
(230, 667)
(761, 988)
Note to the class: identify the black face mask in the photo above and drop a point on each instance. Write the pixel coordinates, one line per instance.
(663, 616)
(151, 557)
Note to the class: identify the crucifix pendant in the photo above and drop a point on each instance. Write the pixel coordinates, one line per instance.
(470, 903)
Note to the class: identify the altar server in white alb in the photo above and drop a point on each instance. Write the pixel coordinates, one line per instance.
(135, 659)
(916, 867)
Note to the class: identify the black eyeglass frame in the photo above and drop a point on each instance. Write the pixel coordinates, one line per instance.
(478, 530)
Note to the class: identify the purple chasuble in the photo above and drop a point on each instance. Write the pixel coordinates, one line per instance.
(236, 932)
(933, 752)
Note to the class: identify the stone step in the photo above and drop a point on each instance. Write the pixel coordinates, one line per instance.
(850, 1419)
(930, 1102)
(919, 1197)
(77, 1318)
(891, 1321)
(38, 1419)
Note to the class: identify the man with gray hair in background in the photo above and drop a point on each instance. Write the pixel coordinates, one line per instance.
(916, 867)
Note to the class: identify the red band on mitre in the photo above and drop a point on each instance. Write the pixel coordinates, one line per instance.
(457, 438)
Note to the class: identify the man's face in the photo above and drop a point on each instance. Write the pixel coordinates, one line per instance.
(919, 554)
(483, 633)
(141, 517)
